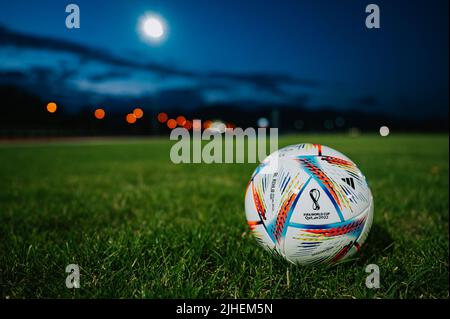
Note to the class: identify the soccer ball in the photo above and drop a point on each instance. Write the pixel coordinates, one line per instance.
(310, 204)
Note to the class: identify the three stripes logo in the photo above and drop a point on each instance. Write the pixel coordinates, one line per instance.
(349, 181)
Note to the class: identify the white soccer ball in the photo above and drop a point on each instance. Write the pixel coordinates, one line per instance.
(309, 203)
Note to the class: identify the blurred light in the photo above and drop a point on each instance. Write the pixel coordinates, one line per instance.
(162, 117)
(340, 121)
(218, 126)
(181, 120)
(384, 131)
(99, 114)
(263, 122)
(131, 118)
(354, 131)
(171, 123)
(230, 125)
(138, 113)
(196, 125)
(298, 124)
(328, 124)
(51, 107)
(187, 125)
(207, 124)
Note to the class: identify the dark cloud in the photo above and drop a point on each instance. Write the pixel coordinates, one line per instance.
(272, 83)
(16, 39)
(37, 74)
(12, 76)
(108, 76)
(65, 72)
(41, 74)
(213, 85)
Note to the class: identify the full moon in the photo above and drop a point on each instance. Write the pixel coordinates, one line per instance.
(152, 28)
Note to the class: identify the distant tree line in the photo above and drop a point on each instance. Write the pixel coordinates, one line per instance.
(24, 114)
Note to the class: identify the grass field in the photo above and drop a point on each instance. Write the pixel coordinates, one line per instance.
(141, 227)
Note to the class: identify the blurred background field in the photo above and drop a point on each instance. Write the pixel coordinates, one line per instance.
(315, 68)
(141, 226)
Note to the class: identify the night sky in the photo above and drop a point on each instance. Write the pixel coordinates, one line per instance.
(311, 53)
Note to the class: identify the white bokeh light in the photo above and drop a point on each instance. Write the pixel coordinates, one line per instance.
(218, 126)
(384, 131)
(263, 122)
(152, 28)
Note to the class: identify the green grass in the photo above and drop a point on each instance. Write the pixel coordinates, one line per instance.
(142, 227)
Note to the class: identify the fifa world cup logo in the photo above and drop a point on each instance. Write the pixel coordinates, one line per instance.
(315, 195)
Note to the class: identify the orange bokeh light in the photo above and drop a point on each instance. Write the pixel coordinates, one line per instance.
(138, 113)
(196, 125)
(51, 107)
(131, 118)
(171, 123)
(162, 117)
(187, 125)
(99, 114)
(181, 120)
(207, 124)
